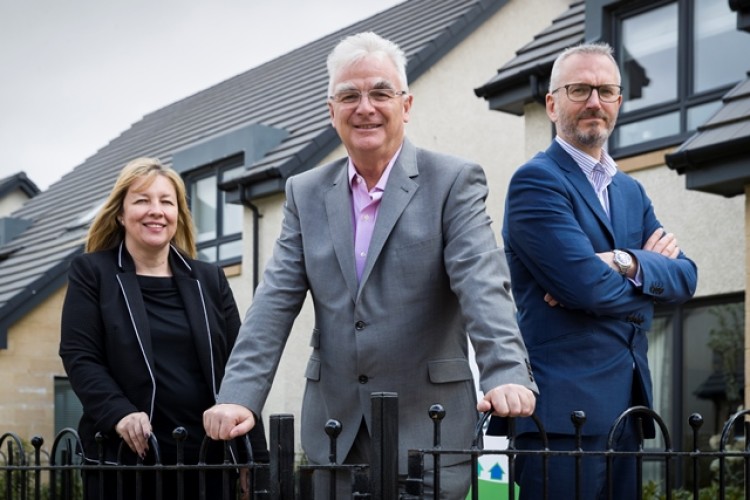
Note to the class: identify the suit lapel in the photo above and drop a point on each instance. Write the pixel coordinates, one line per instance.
(338, 210)
(398, 192)
(132, 292)
(581, 184)
(618, 211)
(190, 292)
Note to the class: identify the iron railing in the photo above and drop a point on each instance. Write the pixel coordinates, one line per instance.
(29, 472)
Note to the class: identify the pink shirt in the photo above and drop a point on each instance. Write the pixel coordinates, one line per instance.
(365, 205)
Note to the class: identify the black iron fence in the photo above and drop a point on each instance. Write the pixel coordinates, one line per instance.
(31, 471)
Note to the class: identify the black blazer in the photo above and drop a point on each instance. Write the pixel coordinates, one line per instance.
(105, 342)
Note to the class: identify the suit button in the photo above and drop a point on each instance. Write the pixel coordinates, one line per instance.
(363, 379)
(359, 325)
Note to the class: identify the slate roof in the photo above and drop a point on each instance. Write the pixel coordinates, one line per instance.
(19, 181)
(287, 92)
(524, 79)
(715, 158)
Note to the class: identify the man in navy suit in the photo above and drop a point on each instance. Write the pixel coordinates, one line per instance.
(588, 261)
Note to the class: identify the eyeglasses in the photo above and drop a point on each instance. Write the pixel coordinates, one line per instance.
(376, 96)
(580, 92)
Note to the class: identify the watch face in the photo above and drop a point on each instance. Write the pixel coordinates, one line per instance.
(623, 258)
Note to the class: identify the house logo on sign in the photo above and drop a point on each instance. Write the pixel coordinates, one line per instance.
(491, 470)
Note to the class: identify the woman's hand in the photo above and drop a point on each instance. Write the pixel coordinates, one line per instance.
(135, 429)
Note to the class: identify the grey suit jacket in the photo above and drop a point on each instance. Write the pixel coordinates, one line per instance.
(434, 273)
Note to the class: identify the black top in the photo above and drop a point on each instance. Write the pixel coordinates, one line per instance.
(182, 394)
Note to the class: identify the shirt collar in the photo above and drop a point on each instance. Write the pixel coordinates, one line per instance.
(588, 162)
(380, 186)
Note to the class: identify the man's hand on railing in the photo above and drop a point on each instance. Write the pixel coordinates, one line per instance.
(227, 421)
(508, 400)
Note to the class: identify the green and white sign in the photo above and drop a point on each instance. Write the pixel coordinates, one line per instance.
(492, 471)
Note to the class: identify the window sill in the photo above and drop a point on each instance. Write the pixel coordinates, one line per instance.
(644, 161)
(232, 270)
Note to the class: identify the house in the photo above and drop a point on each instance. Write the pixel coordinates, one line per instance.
(686, 110)
(235, 144)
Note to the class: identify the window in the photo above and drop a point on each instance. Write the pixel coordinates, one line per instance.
(68, 409)
(218, 223)
(696, 357)
(677, 59)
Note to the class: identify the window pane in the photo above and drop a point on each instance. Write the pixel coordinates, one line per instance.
(232, 223)
(713, 364)
(648, 58)
(203, 205)
(231, 250)
(68, 408)
(660, 363)
(719, 47)
(207, 254)
(660, 339)
(698, 115)
(647, 130)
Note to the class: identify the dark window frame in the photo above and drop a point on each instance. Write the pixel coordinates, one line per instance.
(679, 423)
(604, 21)
(216, 170)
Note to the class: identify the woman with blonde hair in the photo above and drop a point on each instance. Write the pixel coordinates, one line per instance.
(106, 231)
(146, 331)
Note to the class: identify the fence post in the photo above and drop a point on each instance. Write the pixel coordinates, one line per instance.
(696, 421)
(180, 434)
(37, 442)
(578, 418)
(281, 456)
(384, 464)
(437, 414)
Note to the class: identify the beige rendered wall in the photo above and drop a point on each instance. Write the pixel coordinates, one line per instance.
(447, 117)
(710, 229)
(29, 366)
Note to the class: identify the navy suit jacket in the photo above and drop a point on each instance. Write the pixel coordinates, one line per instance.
(590, 352)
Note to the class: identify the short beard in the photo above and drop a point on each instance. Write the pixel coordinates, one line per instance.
(589, 139)
(592, 139)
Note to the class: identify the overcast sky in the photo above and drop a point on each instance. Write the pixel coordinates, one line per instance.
(77, 73)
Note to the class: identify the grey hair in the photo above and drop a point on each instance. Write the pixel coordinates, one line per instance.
(354, 48)
(597, 48)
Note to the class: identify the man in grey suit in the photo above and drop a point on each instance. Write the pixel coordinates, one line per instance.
(395, 246)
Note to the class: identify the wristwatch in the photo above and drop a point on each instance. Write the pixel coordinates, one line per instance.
(623, 260)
